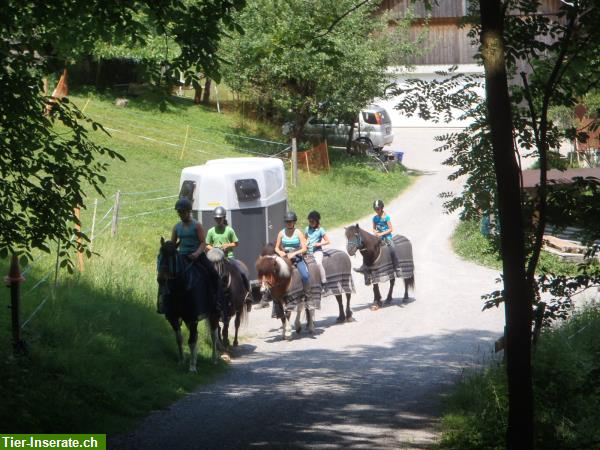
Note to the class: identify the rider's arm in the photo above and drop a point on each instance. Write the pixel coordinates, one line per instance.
(303, 245)
(278, 248)
(209, 240)
(174, 239)
(233, 240)
(202, 246)
(324, 241)
(390, 229)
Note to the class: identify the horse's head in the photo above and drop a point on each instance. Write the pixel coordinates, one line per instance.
(354, 240)
(167, 261)
(268, 249)
(273, 271)
(217, 257)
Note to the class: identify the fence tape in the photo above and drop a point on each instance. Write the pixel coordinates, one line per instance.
(145, 213)
(35, 311)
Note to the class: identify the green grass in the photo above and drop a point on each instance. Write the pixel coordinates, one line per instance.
(99, 355)
(567, 395)
(470, 244)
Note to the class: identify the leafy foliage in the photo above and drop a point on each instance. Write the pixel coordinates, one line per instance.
(295, 55)
(46, 159)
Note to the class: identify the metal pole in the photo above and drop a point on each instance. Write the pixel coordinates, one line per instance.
(14, 280)
(294, 163)
(217, 96)
(93, 224)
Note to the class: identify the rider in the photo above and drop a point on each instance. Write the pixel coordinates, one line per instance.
(292, 243)
(383, 229)
(316, 238)
(188, 236)
(223, 236)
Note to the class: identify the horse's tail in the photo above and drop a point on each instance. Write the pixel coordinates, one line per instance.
(410, 283)
(244, 310)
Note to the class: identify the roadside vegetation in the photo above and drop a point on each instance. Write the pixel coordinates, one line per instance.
(99, 355)
(565, 379)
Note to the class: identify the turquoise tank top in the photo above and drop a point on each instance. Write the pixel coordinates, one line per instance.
(188, 238)
(290, 244)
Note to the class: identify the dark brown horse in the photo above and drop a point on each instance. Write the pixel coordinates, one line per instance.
(378, 261)
(185, 296)
(233, 275)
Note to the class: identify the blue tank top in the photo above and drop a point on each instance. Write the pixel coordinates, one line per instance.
(290, 244)
(380, 224)
(188, 238)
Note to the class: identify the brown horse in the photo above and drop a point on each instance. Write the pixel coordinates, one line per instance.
(185, 296)
(233, 275)
(378, 261)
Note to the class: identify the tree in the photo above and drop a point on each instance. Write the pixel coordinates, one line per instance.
(45, 161)
(291, 57)
(533, 61)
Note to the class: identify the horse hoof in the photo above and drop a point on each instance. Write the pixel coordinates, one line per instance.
(225, 357)
(340, 319)
(349, 317)
(298, 330)
(375, 307)
(235, 344)
(388, 301)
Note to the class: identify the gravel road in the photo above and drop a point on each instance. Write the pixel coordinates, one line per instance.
(375, 383)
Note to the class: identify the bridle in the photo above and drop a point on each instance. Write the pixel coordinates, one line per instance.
(355, 243)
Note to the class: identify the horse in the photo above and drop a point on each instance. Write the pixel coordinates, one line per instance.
(275, 275)
(377, 259)
(281, 282)
(185, 295)
(234, 276)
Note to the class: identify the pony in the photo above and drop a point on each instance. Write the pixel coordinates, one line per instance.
(377, 259)
(235, 290)
(276, 276)
(184, 295)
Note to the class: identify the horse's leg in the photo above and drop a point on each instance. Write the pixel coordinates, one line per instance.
(238, 321)
(348, 310)
(388, 299)
(341, 317)
(176, 325)
(192, 342)
(287, 326)
(225, 332)
(376, 298)
(213, 321)
(405, 289)
(297, 323)
(310, 319)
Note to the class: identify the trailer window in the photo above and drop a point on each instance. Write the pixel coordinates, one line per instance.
(247, 190)
(187, 190)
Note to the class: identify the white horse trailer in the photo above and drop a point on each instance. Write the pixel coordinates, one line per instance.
(252, 190)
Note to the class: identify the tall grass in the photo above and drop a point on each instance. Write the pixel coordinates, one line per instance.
(99, 355)
(567, 394)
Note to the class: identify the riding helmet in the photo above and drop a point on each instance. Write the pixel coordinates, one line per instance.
(314, 215)
(183, 204)
(378, 204)
(290, 217)
(220, 212)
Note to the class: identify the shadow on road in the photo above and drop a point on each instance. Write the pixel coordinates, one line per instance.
(372, 396)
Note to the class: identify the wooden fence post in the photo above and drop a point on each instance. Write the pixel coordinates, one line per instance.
(115, 218)
(14, 280)
(294, 163)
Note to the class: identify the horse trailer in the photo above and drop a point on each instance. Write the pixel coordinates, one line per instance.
(252, 190)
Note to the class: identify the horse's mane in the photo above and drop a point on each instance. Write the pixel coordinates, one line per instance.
(215, 255)
(370, 241)
(269, 262)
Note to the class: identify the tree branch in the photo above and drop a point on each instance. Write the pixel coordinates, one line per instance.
(339, 19)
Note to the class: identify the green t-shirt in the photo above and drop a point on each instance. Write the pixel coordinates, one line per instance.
(216, 238)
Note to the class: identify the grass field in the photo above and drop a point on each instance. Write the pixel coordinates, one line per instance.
(99, 355)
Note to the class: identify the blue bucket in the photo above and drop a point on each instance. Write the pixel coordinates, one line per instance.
(399, 156)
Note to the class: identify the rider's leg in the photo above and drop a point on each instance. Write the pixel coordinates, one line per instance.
(214, 282)
(303, 269)
(319, 260)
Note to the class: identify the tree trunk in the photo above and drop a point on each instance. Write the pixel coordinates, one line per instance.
(198, 95)
(206, 96)
(517, 301)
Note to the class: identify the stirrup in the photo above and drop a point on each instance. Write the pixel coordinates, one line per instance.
(361, 269)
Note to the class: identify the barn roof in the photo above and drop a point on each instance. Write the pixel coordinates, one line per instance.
(531, 178)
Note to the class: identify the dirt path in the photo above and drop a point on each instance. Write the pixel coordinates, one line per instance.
(374, 383)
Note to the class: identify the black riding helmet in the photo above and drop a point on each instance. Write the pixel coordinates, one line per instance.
(219, 212)
(378, 204)
(183, 204)
(290, 217)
